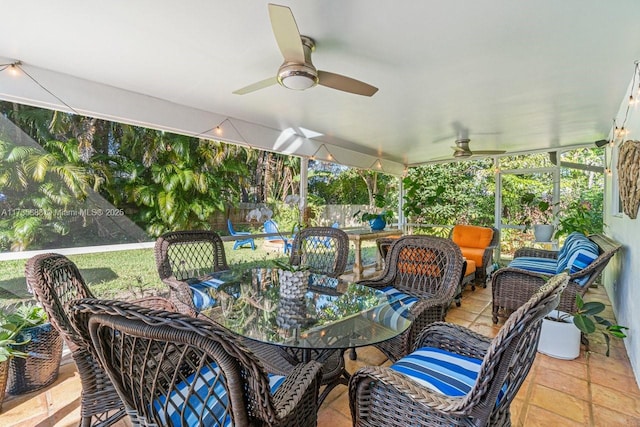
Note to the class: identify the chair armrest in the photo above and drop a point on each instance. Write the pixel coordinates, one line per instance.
(156, 302)
(376, 282)
(454, 338)
(180, 295)
(299, 392)
(533, 252)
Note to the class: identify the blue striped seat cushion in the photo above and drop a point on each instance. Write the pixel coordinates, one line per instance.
(398, 308)
(216, 401)
(537, 265)
(201, 295)
(444, 372)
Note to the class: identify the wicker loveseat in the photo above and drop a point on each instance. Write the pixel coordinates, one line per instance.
(512, 286)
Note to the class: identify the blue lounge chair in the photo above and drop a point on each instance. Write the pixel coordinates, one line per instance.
(270, 227)
(241, 242)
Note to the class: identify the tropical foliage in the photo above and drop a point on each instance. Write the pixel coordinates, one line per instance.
(449, 193)
(162, 181)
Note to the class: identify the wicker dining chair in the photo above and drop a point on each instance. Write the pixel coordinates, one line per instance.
(455, 377)
(423, 273)
(323, 249)
(183, 259)
(55, 281)
(174, 370)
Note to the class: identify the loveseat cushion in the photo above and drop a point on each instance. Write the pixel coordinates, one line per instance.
(472, 236)
(572, 239)
(576, 254)
(442, 371)
(216, 402)
(539, 265)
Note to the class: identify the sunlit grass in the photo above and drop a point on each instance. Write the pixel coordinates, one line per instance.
(132, 273)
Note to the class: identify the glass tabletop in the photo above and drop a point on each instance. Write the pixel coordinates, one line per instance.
(331, 314)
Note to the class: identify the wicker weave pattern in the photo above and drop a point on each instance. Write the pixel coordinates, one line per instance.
(56, 281)
(381, 396)
(183, 255)
(148, 352)
(323, 249)
(512, 287)
(428, 268)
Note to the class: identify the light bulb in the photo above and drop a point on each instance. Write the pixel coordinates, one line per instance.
(330, 157)
(13, 70)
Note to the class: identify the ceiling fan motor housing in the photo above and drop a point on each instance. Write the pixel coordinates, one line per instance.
(297, 76)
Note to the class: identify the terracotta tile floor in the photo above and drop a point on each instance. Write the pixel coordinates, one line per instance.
(589, 391)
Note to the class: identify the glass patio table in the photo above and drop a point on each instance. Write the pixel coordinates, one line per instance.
(331, 317)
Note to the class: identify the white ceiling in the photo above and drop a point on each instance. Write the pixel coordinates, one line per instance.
(517, 75)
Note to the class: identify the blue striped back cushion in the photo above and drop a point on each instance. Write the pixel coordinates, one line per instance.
(200, 294)
(214, 414)
(444, 372)
(581, 258)
(398, 308)
(573, 239)
(538, 265)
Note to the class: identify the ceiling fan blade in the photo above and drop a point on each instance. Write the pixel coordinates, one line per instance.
(257, 86)
(345, 84)
(286, 32)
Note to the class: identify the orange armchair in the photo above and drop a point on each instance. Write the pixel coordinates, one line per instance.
(477, 245)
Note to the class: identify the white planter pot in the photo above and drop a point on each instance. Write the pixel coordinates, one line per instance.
(543, 232)
(559, 339)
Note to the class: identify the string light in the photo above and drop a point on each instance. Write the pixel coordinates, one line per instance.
(376, 164)
(330, 157)
(13, 69)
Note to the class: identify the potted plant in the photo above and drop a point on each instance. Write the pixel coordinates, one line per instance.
(538, 214)
(8, 340)
(37, 338)
(377, 220)
(293, 279)
(561, 332)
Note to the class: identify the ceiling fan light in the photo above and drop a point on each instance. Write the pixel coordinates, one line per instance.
(298, 80)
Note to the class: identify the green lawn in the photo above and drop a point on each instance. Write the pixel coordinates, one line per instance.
(129, 274)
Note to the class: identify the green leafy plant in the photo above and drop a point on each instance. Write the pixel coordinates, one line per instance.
(579, 216)
(587, 320)
(284, 265)
(380, 201)
(25, 316)
(537, 210)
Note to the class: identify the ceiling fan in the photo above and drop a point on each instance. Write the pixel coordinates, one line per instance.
(462, 150)
(297, 71)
